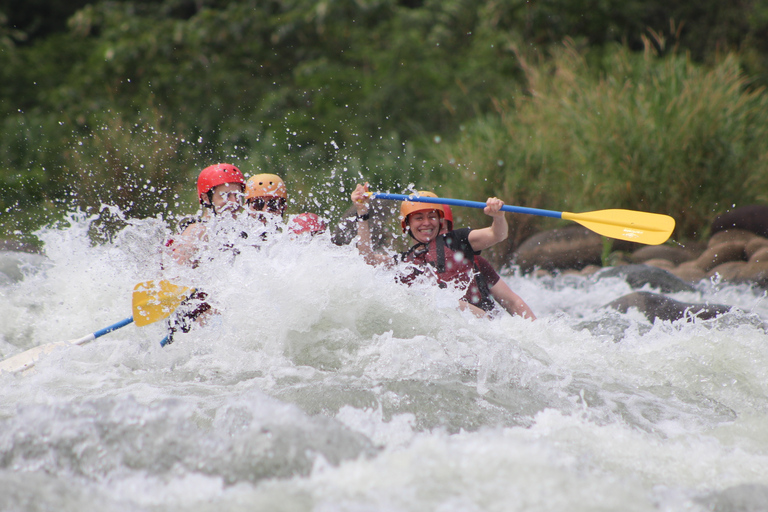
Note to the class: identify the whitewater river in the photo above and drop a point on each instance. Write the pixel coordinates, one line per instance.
(323, 385)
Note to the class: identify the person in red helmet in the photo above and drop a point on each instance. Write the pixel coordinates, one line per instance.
(490, 279)
(220, 190)
(307, 222)
(448, 257)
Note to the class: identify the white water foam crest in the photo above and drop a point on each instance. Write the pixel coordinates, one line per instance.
(322, 384)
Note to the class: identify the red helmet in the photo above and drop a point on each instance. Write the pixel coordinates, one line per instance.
(448, 216)
(307, 223)
(216, 175)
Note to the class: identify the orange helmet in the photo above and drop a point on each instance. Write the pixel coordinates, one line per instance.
(215, 175)
(409, 207)
(448, 216)
(265, 185)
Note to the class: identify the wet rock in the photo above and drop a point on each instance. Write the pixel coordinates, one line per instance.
(675, 255)
(752, 218)
(660, 263)
(721, 253)
(754, 272)
(731, 235)
(638, 276)
(728, 271)
(612, 329)
(654, 306)
(572, 247)
(689, 272)
(756, 254)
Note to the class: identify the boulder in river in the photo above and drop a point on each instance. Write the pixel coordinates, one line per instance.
(654, 305)
(638, 276)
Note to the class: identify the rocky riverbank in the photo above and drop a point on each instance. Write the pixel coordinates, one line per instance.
(736, 252)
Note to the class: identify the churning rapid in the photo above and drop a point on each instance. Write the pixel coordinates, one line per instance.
(324, 385)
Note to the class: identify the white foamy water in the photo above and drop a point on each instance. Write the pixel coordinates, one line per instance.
(323, 385)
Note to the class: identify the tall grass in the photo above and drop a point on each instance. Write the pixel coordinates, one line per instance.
(654, 134)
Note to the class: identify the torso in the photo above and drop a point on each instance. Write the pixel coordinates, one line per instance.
(455, 267)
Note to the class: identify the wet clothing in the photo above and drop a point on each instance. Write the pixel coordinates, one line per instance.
(188, 221)
(452, 260)
(188, 311)
(487, 271)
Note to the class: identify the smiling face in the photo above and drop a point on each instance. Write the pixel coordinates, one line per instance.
(424, 225)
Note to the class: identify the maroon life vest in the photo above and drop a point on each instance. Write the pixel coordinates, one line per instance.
(452, 260)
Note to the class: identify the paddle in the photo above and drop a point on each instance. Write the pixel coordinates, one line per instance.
(151, 302)
(634, 226)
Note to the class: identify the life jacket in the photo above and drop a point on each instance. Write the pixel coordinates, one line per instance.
(452, 260)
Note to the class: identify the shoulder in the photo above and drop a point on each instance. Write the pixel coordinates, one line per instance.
(194, 228)
(458, 239)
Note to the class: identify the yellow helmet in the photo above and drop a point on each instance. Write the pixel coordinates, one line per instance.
(409, 207)
(265, 185)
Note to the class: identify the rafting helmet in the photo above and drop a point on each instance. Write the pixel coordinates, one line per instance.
(215, 175)
(307, 223)
(409, 207)
(448, 216)
(265, 185)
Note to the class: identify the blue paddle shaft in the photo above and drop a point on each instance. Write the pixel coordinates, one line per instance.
(470, 204)
(113, 327)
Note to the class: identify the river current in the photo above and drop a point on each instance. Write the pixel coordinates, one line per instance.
(323, 385)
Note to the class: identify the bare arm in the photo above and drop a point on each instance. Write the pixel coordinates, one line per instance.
(185, 247)
(479, 313)
(510, 301)
(361, 199)
(498, 231)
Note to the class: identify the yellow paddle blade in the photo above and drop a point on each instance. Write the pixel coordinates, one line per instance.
(155, 301)
(641, 227)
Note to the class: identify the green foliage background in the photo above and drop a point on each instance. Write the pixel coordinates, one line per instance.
(558, 104)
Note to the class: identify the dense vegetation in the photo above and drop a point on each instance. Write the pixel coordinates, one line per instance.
(560, 104)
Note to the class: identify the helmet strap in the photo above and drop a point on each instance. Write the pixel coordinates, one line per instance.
(209, 204)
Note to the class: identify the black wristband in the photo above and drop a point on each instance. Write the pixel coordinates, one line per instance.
(364, 216)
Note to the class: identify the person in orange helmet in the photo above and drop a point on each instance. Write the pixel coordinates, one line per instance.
(266, 194)
(490, 279)
(449, 257)
(266, 198)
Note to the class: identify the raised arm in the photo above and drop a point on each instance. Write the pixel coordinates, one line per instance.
(361, 198)
(497, 232)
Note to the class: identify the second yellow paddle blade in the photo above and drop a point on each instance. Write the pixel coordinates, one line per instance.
(641, 227)
(155, 301)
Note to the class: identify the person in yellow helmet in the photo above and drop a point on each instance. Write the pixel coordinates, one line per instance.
(488, 278)
(266, 197)
(449, 257)
(266, 193)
